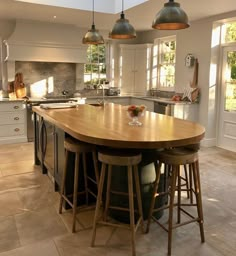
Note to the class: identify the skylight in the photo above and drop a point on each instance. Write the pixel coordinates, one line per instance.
(104, 6)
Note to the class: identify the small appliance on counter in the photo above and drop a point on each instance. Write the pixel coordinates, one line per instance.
(113, 91)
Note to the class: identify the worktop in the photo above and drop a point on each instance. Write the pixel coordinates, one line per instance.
(108, 126)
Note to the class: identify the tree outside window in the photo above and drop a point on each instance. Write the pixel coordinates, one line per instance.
(95, 68)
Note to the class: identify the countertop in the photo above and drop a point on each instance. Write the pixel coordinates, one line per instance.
(66, 99)
(108, 126)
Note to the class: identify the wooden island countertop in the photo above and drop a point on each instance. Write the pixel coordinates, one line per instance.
(108, 126)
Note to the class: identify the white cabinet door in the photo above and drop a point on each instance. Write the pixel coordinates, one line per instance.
(148, 103)
(122, 101)
(127, 71)
(186, 112)
(135, 68)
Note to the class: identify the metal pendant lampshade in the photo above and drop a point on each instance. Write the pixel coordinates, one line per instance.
(171, 17)
(122, 28)
(93, 36)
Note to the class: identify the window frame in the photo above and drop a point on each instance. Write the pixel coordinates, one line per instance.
(95, 76)
(158, 54)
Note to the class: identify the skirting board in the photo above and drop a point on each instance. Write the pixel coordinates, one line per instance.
(208, 142)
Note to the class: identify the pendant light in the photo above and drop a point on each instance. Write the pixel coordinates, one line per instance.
(93, 36)
(122, 29)
(171, 17)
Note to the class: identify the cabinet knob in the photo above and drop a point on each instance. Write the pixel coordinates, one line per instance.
(16, 129)
(16, 107)
(16, 118)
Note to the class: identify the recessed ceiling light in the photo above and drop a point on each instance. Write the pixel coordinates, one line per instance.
(54, 17)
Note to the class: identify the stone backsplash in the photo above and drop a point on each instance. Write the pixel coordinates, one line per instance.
(50, 78)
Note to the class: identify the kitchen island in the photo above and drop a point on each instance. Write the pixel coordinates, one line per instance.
(108, 126)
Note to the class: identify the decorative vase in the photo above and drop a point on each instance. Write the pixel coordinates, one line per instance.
(134, 112)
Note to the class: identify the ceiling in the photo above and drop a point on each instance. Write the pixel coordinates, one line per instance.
(140, 16)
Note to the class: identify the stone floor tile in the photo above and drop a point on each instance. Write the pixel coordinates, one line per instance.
(43, 248)
(9, 238)
(18, 167)
(36, 226)
(10, 204)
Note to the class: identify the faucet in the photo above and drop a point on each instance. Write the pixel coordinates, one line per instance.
(64, 92)
(101, 102)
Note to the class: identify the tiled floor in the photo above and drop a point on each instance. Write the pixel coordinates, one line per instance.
(30, 223)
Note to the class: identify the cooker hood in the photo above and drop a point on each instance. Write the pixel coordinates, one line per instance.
(45, 42)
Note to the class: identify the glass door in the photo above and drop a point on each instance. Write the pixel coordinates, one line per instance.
(227, 119)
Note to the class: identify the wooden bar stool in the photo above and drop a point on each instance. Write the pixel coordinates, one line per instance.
(79, 149)
(175, 158)
(131, 160)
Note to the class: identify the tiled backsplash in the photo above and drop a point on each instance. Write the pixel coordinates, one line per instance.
(49, 78)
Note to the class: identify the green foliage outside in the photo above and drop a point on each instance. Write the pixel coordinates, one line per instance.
(230, 35)
(95, 68)
(167, 70)
(230, 98)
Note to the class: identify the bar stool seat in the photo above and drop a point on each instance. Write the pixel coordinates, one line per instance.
(175, 158)
(116, 158)
(80, 149)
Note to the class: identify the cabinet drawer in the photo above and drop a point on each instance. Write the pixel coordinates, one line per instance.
(11, 106)
(12, 130)
(12, 117)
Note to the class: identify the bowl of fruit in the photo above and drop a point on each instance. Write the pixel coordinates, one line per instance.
(135, 112)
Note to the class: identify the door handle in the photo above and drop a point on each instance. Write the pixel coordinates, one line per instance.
(7, 50)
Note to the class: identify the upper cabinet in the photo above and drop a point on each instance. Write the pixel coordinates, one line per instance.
(135, 68)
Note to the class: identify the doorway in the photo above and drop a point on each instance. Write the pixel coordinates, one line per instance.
(227, 113)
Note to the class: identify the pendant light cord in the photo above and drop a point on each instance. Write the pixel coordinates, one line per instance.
(122, 12)
(93, 12)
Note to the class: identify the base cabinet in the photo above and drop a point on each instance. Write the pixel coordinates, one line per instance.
(148, 103)
(49, 149)
(186, 112)
(13, 124)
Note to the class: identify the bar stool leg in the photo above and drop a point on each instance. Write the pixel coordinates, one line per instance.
(131, 208)
(171, 206)
(153, 199)
(138, 194)
(187, 180)
(179, 194)
(196, 175)
(107, 192)
(99, 200)
(62, 191)
(85, 177)
(75, 194)
(191, 183)
(95, 164)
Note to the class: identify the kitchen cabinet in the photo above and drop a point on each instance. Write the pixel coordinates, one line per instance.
(116, 100)
(13, 127)
(49, 149)
(135, 68)
(186, 111)
(119, 100)
(148, 103)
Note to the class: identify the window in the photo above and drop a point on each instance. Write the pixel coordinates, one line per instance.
(164, 56)
(95, 68)
(229, 32)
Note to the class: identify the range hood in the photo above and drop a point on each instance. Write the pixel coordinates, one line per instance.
(45, 42)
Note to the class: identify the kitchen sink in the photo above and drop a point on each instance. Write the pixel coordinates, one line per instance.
(95, 104)
(55, 97)
(157, 98)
